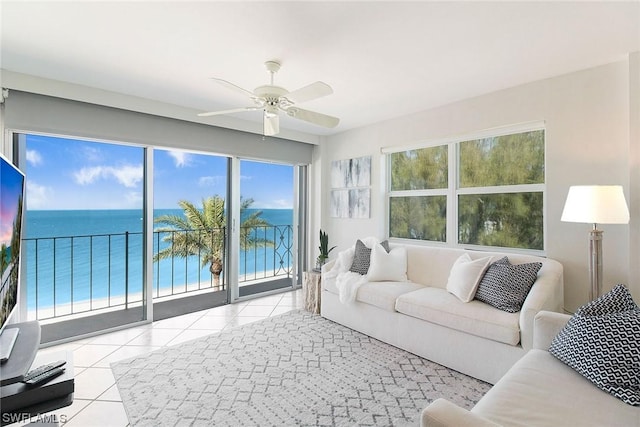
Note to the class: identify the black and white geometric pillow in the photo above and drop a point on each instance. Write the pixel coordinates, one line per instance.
(616, 300)
(505, 286)
(362, 257)
(601, 342)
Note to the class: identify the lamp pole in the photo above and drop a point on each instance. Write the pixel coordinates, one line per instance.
(595, 261)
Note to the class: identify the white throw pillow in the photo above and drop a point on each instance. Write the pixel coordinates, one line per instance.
(465, 276)
(390, 266)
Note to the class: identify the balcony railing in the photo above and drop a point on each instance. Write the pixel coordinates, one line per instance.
(70, 275)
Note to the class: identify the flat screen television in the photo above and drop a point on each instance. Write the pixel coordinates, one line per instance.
(12, 184)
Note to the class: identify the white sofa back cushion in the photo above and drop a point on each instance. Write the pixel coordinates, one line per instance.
(390, 266)
(430, 266)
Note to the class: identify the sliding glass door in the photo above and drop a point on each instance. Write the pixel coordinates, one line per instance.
(118, 233)
(190, 232)
(266, 249)
(83, 248)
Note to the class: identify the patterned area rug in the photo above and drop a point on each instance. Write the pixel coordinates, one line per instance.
(289, 370)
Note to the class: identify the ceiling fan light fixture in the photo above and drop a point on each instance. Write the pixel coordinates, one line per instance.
(270, 110)
(270, 125)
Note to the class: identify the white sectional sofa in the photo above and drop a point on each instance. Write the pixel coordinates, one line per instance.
(420, 316)
(539, 390)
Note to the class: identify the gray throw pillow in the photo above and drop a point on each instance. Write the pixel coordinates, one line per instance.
(601, 342)
(362, 257)
(505, 286)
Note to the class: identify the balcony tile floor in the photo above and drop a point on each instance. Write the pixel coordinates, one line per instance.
(97, 401)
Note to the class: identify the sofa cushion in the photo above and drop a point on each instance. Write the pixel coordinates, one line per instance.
(602, 343)
(465, 275)
(438, 306)
(388, 265)
(384, 294)
(539, 390)
(505, 286)
(362, 257)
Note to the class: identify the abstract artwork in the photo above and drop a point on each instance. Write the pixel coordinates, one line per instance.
(351, 188)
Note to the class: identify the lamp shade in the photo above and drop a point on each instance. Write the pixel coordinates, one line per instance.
(596, 204)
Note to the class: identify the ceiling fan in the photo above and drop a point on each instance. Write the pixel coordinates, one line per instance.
(272, 99)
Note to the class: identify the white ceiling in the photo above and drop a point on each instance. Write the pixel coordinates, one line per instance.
(383, 59)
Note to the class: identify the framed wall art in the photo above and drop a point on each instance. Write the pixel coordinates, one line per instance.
(351, 188)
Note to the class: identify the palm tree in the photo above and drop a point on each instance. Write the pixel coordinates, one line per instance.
(201, 232)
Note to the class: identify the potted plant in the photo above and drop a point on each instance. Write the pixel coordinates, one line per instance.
(324, 249)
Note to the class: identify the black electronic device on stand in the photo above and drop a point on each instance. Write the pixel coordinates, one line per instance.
(23, 400)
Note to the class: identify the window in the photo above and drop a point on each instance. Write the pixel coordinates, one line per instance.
(418, 205)
(494, 188)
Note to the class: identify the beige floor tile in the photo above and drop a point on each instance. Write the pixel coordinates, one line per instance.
(268, 300)
(111, 395)
(155, 337)
(62, 415)
(292, 304)
(119, 337)
(232, 323)
(92, 382)
(125, 352)
(191, 334)
(291, 298)
(178, 322)
(281, 310)
(256, 310)
(100, 414)
(211, 323)
(225, 310)
(90, 354)
(71, 346)
(249, 319)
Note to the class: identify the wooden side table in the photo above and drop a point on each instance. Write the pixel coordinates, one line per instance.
(311, 288)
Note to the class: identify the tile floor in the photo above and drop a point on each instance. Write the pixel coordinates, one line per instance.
(97, 401)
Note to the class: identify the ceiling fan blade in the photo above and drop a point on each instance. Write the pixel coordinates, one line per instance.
(313, 117)
(234, 87)
(271, 124)
(234, 110)
(310, 92)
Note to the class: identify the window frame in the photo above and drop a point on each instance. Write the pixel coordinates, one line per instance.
(454, 190)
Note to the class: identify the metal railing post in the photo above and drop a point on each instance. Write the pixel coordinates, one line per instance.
(126, 270)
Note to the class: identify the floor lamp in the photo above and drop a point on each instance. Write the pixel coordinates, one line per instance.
(596, 204)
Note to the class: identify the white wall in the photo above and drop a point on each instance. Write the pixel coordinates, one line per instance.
(588, 134)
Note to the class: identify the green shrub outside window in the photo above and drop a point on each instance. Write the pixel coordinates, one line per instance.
(498, 191)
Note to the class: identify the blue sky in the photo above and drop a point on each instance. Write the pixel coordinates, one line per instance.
(74, 174)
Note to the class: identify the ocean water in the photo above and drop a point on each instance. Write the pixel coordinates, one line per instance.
(81, 255)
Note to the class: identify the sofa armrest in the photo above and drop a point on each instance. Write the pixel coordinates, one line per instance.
(547, 294)
(547, 325)
(442, 413)
(327, 266)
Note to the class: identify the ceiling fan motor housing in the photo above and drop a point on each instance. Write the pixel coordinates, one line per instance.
(269, 91)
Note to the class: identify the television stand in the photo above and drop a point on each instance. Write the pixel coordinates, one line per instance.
(19, 402)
